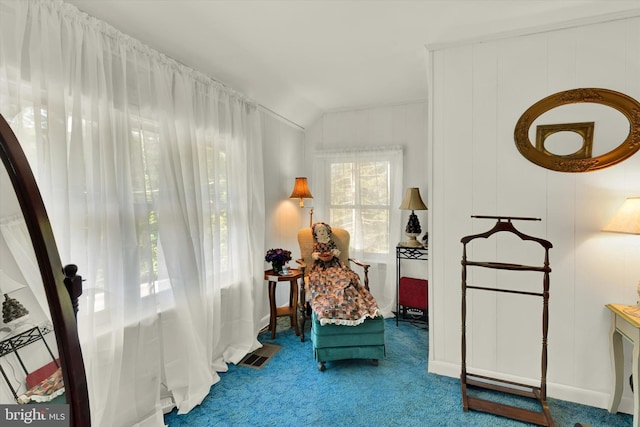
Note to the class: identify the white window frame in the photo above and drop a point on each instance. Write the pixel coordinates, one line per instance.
(322, 187)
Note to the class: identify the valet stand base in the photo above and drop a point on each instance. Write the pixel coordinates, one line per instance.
(541, 418)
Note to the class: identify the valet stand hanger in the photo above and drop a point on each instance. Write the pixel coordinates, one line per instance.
(469, 380)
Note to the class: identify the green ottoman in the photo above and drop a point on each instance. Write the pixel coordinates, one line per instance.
(340, 342)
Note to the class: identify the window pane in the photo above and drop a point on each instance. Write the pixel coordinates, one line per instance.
(376, 224)
(342, 184)
(360, 200)
(374, 183)
(342, 218)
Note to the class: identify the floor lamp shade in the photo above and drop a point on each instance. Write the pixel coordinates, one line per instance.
(301, 190)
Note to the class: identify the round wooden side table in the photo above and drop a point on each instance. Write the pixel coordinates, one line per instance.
(291, 310)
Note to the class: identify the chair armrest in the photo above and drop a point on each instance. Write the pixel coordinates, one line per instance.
(360, 263)
(302, 265)
(365, 266)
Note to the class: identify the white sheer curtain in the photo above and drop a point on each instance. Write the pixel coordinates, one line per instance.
(367, 181)
(151, 175)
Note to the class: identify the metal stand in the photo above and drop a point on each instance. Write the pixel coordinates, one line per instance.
(467, 380)
(405, 252)
(15, 343)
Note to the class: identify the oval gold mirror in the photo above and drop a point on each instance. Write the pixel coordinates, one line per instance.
(579, 140)
(46, 284)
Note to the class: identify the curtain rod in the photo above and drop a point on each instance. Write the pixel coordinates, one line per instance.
(280, 116)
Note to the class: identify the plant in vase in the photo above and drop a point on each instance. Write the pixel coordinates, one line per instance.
(278, 258)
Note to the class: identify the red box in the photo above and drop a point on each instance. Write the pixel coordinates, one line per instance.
(37, 376)
(413, 293)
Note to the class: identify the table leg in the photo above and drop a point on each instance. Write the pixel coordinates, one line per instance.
(617, 365)
(272, 308)
(397, 286)
(293, 306)
(636, 379)
(302, 310)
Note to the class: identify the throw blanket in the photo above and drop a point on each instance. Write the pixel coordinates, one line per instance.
(46, 391)
(337, 296)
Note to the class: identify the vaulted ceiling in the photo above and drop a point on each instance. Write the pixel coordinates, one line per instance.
(301, 58)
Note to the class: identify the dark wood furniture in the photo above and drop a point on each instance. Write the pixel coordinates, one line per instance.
(290, 310)
(56, 283)
(468, 379)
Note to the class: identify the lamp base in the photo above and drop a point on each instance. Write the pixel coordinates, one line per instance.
(412, 242)
(634, 310)
(16, 325)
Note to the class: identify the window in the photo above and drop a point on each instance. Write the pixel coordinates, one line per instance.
(144, 145)
(359, 189)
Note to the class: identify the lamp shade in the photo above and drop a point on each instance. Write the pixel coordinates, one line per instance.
(627, 218)
(412, 200)
(7, 284)
(301, 190)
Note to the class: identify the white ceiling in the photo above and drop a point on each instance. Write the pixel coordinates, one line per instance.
(301, 58)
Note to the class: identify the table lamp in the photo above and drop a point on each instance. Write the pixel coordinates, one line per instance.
(12, 310)
(301, 192)
(627, 220)
(413, 202)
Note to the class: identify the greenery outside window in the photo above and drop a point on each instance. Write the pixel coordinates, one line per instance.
(358, 188)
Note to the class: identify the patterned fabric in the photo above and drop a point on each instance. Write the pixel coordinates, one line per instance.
(324, 247)
(46, 391)
(337, 297)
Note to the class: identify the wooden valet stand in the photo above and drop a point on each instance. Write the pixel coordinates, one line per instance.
(467, 380)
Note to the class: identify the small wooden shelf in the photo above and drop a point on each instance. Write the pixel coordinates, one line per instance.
(290, 310)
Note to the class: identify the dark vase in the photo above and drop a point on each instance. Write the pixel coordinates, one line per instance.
(277, 267)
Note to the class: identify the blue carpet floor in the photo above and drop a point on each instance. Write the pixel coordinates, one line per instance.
(290, 391)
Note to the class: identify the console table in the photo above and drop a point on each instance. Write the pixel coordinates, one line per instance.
(627, 326)
(411, 253)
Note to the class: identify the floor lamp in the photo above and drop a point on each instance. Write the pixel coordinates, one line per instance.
(301, 192)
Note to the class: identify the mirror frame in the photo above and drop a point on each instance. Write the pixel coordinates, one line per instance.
(626, 105)
(53, 276)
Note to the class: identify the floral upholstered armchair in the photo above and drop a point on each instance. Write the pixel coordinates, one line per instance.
(346, 320)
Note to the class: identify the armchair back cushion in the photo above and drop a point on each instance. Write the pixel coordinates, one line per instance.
(305, 239)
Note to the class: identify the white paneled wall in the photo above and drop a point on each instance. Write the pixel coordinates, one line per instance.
(479, 91)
